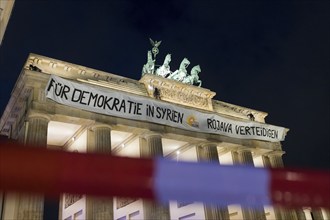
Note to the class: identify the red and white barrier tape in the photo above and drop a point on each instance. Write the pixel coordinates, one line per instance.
(50, 172)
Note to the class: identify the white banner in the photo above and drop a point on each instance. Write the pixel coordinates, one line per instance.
(110, 102)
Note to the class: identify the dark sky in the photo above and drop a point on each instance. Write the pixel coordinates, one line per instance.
(272, 56)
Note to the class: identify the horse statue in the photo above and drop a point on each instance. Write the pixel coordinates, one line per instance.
(164, 70)
(181, 73)
(193, 78)
(149, 67)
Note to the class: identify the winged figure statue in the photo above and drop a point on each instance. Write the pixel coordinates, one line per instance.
(155, 45)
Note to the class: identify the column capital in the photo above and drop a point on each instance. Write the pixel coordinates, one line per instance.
(243, 149)
(150, 134)
(99, 125)
(38, 116)
(225, 147)
(275, 158)
(275, 153)
(208, 144)
(223, 150)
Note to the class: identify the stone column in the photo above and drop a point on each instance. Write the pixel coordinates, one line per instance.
(277, 211)
(37, 131)
(31, 206)
(299, 212)
(99, 141)
(276, 161)
(151, 146)
(209, 153)
(244, 156)
(317, 214)
(326, 212)
(21, 133)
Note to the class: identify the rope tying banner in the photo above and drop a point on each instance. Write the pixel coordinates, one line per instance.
(50, 172)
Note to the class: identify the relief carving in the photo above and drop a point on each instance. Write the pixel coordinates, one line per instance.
(71, 199)
(176, 92)
(122, 202)
(183, 98)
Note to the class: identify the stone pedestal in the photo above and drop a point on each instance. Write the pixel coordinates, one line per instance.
(244, 156)
(209, 153)
(151, 146)
(99, 141)
(31, 206)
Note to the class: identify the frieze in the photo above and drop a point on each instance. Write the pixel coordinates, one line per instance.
(170, 94)
(177, 92)
(70, 199)
(124, 201)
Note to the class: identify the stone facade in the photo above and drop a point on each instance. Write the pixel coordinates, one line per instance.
(29, 115)
(6, 8)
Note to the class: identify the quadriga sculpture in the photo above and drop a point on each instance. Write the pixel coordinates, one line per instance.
(193, 78)
(181, 73)
(149, 67)
(164, 70)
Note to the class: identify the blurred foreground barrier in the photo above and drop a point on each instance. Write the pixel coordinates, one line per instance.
(51, 172)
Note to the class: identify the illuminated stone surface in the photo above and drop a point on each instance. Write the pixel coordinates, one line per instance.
(29, 115)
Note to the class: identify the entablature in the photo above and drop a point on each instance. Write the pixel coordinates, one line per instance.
(31, 84)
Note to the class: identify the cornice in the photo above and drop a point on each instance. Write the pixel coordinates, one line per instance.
(238, 111)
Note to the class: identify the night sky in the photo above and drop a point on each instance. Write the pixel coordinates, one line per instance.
(272, 56)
